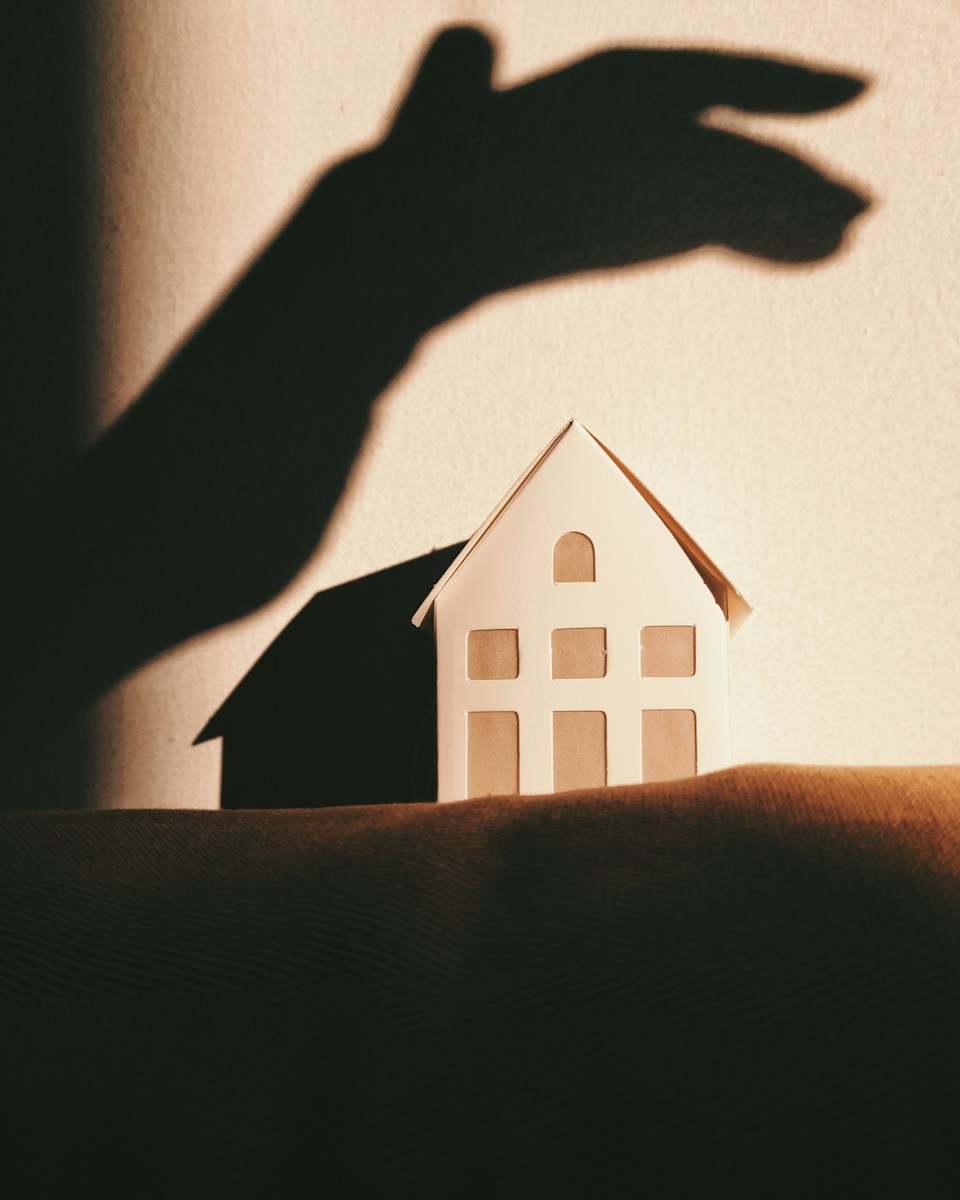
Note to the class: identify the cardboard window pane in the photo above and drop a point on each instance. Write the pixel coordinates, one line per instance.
(493, 754)
(667, 650)
(669, 744)
(579, 750)
(573, 559)
(579, 653)
(493, 654)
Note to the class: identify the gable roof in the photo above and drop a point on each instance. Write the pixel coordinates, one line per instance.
(735, 608)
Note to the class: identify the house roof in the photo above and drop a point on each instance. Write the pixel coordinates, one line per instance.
(734, 606)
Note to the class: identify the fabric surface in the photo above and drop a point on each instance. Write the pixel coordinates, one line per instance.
(744, 984)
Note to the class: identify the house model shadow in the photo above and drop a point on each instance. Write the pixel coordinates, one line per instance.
(341, 707)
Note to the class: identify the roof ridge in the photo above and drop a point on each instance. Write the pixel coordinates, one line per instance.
(735, 607)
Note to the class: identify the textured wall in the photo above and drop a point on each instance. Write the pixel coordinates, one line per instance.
(802, 422)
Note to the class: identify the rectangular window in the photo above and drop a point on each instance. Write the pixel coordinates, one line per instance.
(493, 754)
(579, 653)
(493, 654)
(579, 750)
(669, 744)
(667, 650)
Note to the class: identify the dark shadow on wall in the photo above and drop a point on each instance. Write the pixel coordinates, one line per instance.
(341, 709)
(44, 334)
(212, 492)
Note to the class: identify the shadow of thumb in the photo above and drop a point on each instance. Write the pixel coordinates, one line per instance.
(453, 76)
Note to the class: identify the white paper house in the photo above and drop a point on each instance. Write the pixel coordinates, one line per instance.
(581, 637)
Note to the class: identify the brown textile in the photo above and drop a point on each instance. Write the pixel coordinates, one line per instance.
(746, 984)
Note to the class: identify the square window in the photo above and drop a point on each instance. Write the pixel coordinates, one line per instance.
(493, 654)
(667, 650)
(579, 653)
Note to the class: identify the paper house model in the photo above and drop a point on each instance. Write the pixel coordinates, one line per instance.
(581, 637)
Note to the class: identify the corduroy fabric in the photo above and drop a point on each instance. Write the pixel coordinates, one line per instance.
(743, 984)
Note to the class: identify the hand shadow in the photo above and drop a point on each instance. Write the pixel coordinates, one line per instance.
(214, 489)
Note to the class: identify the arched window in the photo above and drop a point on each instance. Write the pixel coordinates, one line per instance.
(573, 559)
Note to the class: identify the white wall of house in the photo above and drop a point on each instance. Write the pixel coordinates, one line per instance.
(801, 422)
(642, 578)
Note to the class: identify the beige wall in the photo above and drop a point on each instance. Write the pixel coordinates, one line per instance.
(803, 423)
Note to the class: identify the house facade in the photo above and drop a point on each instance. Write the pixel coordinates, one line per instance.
(581, 638)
